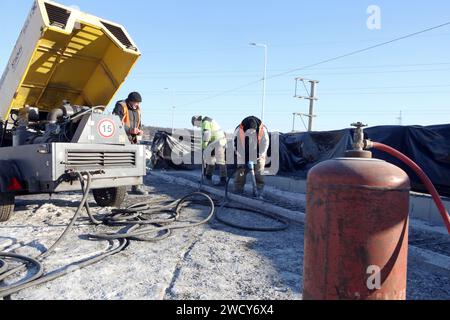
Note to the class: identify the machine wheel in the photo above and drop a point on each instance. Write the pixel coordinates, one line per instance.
(7, 201)
(110, 197)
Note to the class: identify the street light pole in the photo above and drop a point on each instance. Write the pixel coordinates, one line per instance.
(265, 77)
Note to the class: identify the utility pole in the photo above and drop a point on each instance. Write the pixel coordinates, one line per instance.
(263, 111)
(293, 121)
(311, 97)
(400, 118)
(294, 116)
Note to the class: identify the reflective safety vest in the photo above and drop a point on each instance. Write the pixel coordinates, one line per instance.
(215, 132)
(126, 115)
(242, 133)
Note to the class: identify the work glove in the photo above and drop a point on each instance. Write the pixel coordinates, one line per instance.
(136, 132)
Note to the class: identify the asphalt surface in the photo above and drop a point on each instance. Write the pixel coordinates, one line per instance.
(212, 261)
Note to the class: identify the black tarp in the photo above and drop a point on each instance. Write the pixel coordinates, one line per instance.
(428, 146)
(164, 146)
(299, 152)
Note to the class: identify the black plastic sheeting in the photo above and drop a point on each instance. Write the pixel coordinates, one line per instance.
(428, 146)
(164, 146)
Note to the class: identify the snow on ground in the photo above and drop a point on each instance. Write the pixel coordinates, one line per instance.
(212, 261)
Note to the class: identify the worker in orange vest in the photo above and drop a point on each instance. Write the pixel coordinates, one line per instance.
(129, 111)
(251, 142)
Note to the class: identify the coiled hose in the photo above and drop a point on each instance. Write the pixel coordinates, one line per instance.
(137, 223)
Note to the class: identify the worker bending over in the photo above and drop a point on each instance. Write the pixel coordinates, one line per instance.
(214, 144)
(251, 142)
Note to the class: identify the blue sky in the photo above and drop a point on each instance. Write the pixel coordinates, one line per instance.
(199, 49)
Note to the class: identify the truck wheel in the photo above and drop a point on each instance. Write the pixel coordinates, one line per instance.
(110, 197)
(7, 201)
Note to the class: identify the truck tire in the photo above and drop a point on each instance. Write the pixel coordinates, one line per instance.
(110, 197)
(7, 201)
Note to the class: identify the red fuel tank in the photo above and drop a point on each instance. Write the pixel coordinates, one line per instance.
(356, 235)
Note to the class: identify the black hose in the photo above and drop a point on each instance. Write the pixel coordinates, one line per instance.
(139, 224)
(69, 269)
(283, 224)
(42, 256)
(226, 204)
(3, 266)
(45, 254)
(74, 219)
(19, 257)
(136, 216)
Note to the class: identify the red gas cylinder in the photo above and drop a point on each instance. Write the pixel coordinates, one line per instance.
(356, 237)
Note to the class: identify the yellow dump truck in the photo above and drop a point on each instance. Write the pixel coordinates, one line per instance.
(65, 68)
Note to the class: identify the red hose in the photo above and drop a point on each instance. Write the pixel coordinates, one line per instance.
(425, 180)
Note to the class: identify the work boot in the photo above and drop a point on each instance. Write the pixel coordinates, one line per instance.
(260, 192)
(208, 181)
(222, 183)
(139, 190)
(238, 190)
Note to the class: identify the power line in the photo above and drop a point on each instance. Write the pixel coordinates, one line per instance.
(229, 73)
(385, 92)
(361, 50)
(321, 62)
(384, 66)
(327, 92)
(235, 108)
(222, 93)
(184, 77)
(376, 72)
(273, 45)
(392, 87)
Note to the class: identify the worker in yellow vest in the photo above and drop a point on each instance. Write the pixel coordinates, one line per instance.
(129, 111)
(214, 144)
